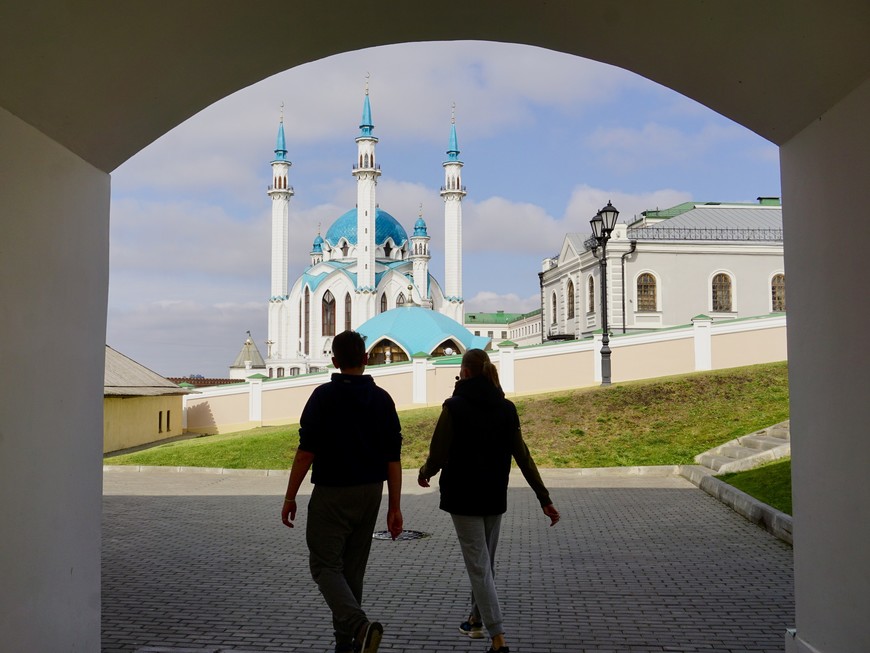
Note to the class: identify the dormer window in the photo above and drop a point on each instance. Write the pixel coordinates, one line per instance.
(387, 249)
(344, 249)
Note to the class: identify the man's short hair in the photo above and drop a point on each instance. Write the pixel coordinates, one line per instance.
(349, 350)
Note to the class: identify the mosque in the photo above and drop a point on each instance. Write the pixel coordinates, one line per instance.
(366, 273)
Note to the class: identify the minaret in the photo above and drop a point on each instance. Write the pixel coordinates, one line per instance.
(420, 261)
(280, 192)
(366, 172)
(317, 249)
(453, 191)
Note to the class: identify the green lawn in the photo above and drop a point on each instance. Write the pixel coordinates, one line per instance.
(770, 484)
(660, 422)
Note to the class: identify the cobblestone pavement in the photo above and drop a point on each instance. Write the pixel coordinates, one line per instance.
(201, 562)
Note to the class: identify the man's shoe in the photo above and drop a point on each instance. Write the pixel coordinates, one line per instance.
(369, 637)
(472, 630)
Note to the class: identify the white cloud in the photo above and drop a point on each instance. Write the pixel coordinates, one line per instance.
(486, 301)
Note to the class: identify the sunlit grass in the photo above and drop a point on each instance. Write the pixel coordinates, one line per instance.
(770, 484)
(660, 422)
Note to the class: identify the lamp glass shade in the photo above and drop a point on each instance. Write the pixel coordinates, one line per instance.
(597, 226)
(609, 214)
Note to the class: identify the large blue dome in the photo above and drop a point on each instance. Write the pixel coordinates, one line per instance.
(416, 329)
(386, 226)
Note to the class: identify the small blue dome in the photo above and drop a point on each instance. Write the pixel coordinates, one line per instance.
(318, 242)
(420, 227)
(386, 226)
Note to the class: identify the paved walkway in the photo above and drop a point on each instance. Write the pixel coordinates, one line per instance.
(201, 562)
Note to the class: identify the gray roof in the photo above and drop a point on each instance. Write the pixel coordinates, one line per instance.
(578, 240)
(124, 377)
(725, 217)
(249, 352)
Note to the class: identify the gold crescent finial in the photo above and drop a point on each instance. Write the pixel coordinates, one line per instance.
(421, 210)
(453, 114)
(368, 75)
(282, 111)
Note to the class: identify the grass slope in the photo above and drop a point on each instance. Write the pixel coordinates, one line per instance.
(770, 484)
(665, 421)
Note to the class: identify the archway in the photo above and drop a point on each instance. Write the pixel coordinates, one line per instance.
(79, 100)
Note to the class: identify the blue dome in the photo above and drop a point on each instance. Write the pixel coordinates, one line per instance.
(420, 227)
(318, 241)
(416, 329)
(386, 226)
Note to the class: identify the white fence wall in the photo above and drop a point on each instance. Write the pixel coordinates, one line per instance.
(703, 345)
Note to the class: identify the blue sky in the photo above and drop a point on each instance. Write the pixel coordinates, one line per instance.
(547, 139)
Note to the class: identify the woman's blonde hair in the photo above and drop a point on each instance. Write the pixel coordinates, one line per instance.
(476, 363)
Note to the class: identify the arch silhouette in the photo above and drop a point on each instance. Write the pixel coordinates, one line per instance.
(80, 101)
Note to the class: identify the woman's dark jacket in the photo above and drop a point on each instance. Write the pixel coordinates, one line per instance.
(476, 436)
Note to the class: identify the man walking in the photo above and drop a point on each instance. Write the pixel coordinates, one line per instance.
(350, 434)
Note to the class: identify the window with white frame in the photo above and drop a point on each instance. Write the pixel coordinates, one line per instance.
(777, 293)
(647, 298)
(590, 295)
(721, 293)
(570, 296)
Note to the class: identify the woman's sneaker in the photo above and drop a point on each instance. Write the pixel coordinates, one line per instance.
(473, 630)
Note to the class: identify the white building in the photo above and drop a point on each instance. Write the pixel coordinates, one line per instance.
(365, 263)
(519, 328)
(721, 260)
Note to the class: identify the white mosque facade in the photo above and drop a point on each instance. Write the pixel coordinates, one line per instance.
(364, 265)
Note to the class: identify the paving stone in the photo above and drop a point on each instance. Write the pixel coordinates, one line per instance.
(636, 565)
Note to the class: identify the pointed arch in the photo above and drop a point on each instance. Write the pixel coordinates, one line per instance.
(569, 293)
(327, 314)
(590, 294)
(348, 312)
(307, 339)
(447, 348)
(384, 303)
(400, 300)
(386, 351)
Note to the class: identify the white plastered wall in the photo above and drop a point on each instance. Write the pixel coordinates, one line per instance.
(53, 289)
(824, 174)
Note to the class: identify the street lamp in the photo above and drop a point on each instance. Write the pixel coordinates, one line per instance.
(602, 226)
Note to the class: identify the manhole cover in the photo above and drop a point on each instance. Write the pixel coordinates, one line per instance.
(404, 535)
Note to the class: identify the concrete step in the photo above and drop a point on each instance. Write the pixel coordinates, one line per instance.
(734, 451)
(761, 442)
(712, 461)
(748, 451)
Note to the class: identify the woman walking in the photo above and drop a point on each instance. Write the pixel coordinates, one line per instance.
(477, 434)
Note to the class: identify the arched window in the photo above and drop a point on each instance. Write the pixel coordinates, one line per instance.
(307, 320)
(280, 372)
(327, 314)
(348, 308)
(400, 300)
(777, 293)
(590, 295)
(721, 289)
(570, 292)
(386, 351)
(344, 248)
(646, 293)
(554, 308)
(383, 303)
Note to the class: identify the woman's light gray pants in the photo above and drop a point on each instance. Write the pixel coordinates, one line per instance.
(478, 539)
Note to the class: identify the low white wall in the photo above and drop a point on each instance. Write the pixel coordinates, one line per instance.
(545, 368)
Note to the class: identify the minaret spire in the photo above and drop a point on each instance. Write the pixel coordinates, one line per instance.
(453, 191)
(280, 191)
(366, 172)
(420, 261)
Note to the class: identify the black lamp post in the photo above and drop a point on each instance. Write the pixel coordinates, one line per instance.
(602, 226)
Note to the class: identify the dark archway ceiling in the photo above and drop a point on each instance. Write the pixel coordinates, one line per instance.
(105, 79)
